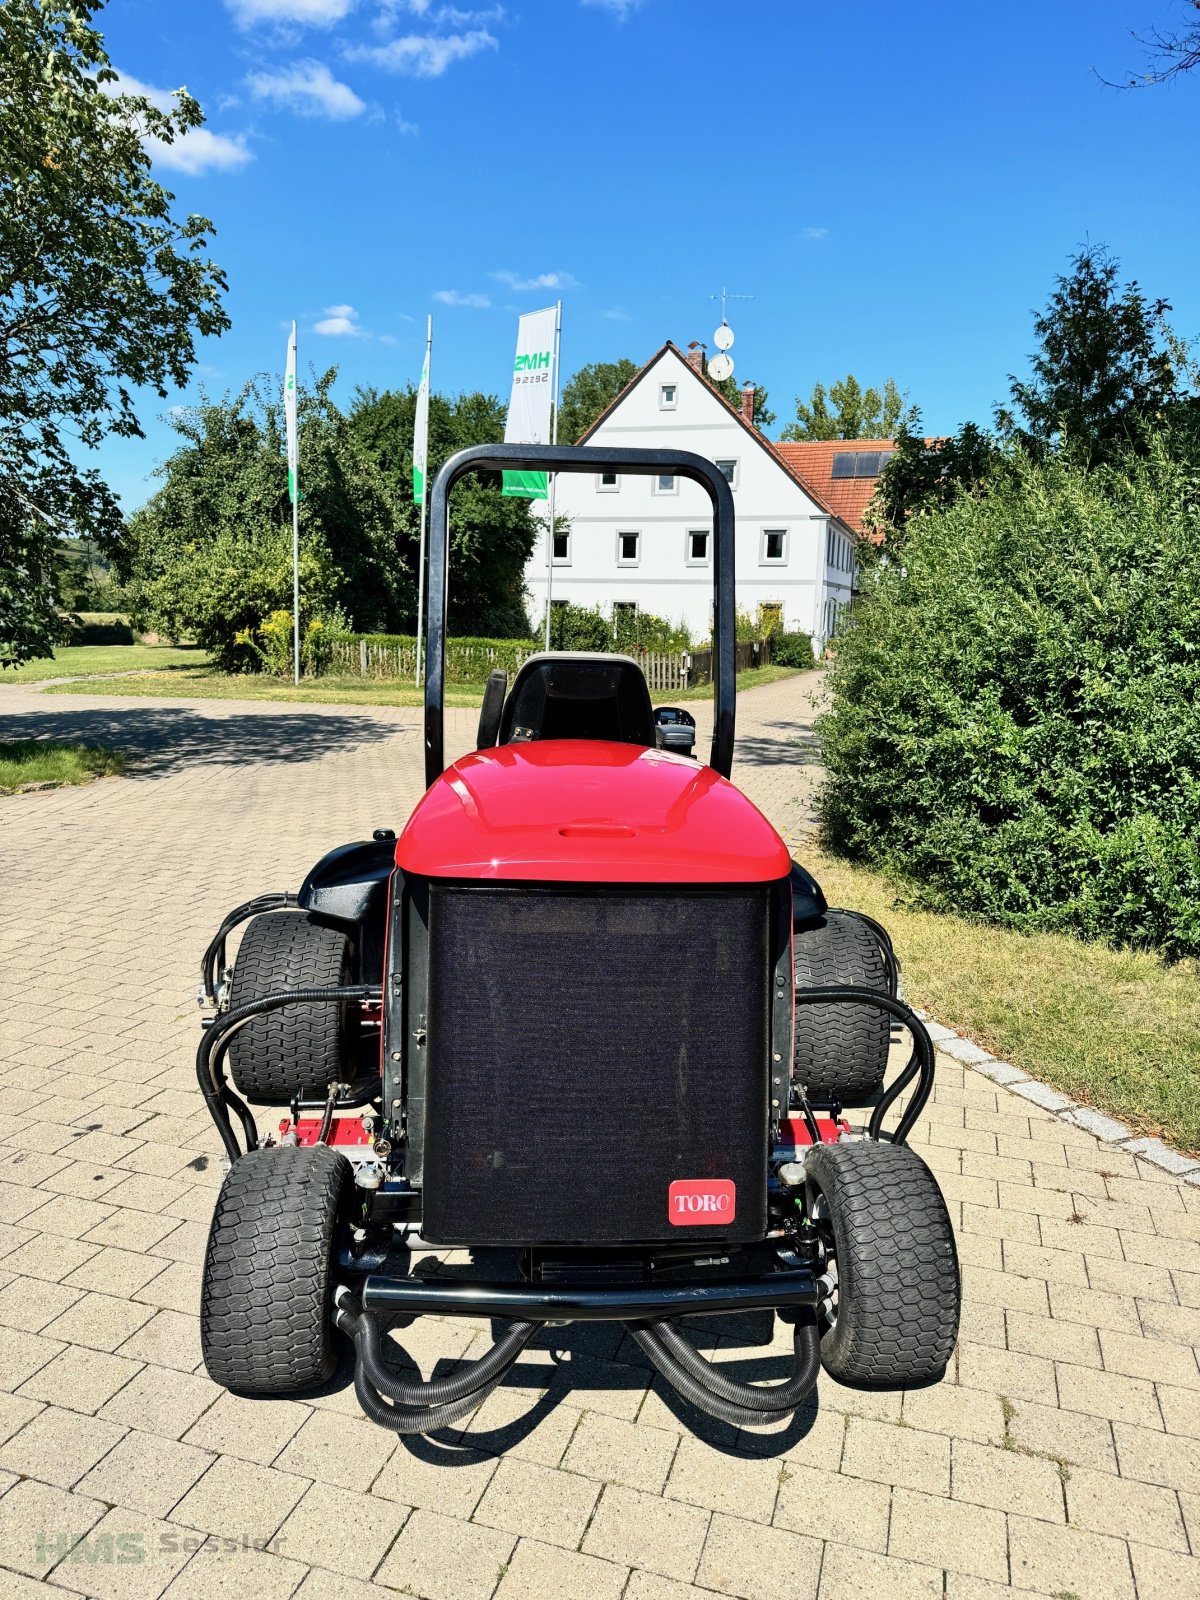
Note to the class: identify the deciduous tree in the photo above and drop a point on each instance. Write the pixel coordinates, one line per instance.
(102, 289)
(848, 411)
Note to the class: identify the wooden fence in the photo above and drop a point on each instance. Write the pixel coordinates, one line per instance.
(665, 670)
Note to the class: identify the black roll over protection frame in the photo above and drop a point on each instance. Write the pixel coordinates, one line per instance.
(576, 458)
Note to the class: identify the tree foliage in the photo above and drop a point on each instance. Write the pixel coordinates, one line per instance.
(848, 411)
(491, 536)
(1014, 725)
(923, 476)
(213, 547)
(1103, 371)
(102, 289)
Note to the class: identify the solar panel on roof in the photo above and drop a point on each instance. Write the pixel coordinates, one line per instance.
(843, 464)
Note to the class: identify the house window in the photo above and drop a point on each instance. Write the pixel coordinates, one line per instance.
(629, 549)
(668, 396)
(729, 471)
(665, 483)
(774, 547)
(697, 547)
(607, 483)
(624, 610)
(562, 549)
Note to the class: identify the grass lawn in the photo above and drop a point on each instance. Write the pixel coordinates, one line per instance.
(36, 761)
(189, 680)
(94, 660)
(1114, 1029)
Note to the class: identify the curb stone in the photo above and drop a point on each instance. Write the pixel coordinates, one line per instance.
(1109, 1130)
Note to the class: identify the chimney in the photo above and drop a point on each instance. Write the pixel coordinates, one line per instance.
(748, 403)
(695, 357)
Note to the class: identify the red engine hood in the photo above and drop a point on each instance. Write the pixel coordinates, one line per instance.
(584, 811)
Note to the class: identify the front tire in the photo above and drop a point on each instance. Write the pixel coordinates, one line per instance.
(888, 1234)
(841, 1050)
(300, 1049)
(266, 1296)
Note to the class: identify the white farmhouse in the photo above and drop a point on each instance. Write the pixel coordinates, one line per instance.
(646, 543)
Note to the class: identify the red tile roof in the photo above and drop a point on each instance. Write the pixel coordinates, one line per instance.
(812, 462)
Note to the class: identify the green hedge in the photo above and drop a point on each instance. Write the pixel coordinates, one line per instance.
(1015, 723)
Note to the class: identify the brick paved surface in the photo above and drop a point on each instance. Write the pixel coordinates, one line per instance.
(1061, 1455)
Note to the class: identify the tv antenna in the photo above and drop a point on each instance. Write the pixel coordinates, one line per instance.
(721, 366)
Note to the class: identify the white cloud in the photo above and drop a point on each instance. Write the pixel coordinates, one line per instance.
(313, 13)
(404, 126)
(196, 151)
(423, 55)
(616, 314)
(340, 322)
(438, 16)
(544, 280)
(451, 297)
(621, 9)
(309, 88)
(813, 233)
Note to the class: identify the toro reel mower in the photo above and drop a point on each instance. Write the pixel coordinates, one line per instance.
(585, 1021)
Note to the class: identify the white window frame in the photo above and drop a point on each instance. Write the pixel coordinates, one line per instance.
(764, 560)
(608, 488)
(657, 488)
(663, 403)
(629, 533)
(735, 463)
(689, 560)
(623, 605)
(562, 561)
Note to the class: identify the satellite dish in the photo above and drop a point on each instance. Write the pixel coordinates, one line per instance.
(720, 368)
(723, 338)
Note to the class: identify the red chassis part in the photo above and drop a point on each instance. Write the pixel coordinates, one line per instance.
(588, 811)
(794, 1131)
(343, 1131)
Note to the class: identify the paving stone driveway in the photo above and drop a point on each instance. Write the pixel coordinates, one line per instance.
(1060, 1455)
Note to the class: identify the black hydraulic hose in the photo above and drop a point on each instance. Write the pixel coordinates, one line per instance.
(471, 1375)
(739, 1404)
(213, 958)
(920, 1062)
(327, 1116)
(424, 1407)
(216, 1041)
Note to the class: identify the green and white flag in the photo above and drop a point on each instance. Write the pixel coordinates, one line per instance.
(421, 426)
(532, 401)
(289, 411)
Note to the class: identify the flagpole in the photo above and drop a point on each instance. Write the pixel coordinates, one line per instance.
(424, 504)
(553, 440)
(295, 531)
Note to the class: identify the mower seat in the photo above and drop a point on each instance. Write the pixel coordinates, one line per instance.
(579, 695)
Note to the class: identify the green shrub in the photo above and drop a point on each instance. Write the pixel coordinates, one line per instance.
(578, 628)
(272, 645)
(1015, 725)
(791, 650)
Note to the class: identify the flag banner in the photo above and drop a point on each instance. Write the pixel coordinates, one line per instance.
(532, 400)
(421, 433)
(289, 411)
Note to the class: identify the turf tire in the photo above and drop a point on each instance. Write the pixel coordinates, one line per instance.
(266, 1292)
(841, 1051)
(899, 1294)
(299, 1049)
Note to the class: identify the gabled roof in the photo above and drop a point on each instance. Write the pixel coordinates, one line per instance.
(811, 460)
(760, 439)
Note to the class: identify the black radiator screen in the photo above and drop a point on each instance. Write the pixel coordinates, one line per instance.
(588, 1050)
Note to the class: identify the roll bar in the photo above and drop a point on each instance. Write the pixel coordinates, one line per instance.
(576, 458)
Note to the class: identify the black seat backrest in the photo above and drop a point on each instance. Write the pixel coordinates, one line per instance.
(579, 695)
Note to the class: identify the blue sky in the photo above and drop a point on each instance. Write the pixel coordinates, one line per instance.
(895, 186)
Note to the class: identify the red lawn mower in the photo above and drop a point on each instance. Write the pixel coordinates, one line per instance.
(586, 1021)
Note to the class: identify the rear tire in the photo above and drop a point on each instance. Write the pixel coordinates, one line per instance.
(898, 1291)
(299, 1049)
(266, 1293)
(841, 1050)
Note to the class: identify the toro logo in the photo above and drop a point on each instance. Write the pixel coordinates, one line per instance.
(701, 1202)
